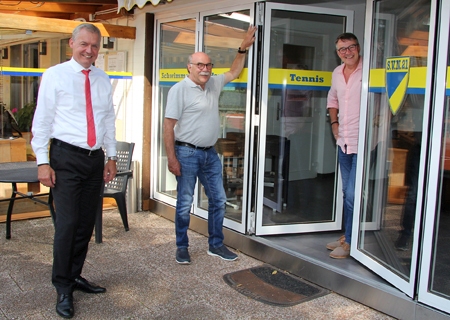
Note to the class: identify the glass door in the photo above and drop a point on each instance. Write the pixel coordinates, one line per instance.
(393, 161)
(177, 40)
(222, 34)
(298, 185)
(219, 34)
(434, 288)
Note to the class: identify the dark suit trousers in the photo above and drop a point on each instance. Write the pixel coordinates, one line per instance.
(79, 178)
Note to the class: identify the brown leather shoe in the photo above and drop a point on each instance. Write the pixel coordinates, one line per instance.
(333, 245)
(341, 252)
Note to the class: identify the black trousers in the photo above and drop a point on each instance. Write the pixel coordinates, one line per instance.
(79, 178)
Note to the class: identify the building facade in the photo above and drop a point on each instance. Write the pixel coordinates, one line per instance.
(284, 197)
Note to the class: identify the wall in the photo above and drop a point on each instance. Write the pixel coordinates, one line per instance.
(129, 108)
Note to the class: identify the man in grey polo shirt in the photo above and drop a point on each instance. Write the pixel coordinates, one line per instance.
(191, 128)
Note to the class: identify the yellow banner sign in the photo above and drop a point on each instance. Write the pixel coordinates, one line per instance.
(278, 78)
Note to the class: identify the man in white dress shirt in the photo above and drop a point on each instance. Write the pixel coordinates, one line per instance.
(75, 169)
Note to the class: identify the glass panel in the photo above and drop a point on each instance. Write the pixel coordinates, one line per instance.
(177, 42)
(16, 82)
(223, 35)
(440, 263)
(31, 60)
(300, 152)
(66, 51)
(394, 133)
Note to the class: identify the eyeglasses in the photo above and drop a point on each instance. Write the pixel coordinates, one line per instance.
(203, 65)
(349, 48)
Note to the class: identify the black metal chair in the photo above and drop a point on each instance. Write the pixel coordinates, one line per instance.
(117, 188)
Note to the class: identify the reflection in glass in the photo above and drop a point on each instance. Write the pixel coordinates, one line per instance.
(223, 35)
(17, 82)
(177, 42)
(440, 265)
(393, 138)
(31, 60)
(300, 152)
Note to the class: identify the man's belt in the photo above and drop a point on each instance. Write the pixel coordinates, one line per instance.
(190, 145)
(71, 147)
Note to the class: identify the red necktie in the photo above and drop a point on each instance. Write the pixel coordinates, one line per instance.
(91, 139)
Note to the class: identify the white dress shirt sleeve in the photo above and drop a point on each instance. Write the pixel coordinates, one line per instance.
(43, 117)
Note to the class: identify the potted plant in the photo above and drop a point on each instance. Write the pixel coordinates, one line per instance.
(24, 116)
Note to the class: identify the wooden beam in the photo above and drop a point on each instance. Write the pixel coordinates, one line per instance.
(101, 2)
(53, 15)
(62, 26)
(48, 7)
(107, 15)
(93, 17)
(149, 66)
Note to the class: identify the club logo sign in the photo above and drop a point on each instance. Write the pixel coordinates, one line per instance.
(397, 76)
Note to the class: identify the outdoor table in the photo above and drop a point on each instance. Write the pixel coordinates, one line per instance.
(27, 172)
(21, 172)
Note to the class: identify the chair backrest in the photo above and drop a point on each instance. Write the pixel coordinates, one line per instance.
(124, 157)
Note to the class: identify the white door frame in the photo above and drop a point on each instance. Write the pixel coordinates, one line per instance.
(429, 247)
(407, 286)
(260, 229)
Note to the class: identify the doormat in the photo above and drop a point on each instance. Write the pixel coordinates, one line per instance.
(272, 286)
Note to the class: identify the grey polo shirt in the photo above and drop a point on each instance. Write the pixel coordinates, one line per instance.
(196, 110)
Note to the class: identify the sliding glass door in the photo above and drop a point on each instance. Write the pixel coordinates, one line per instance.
(394, 159)
(177, 40)
(434, 278)
(298, 183)
(220, 35)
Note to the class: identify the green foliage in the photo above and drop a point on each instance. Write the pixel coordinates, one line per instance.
(25, 115)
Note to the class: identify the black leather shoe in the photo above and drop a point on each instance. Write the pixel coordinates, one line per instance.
(64, 305)
(84, 285)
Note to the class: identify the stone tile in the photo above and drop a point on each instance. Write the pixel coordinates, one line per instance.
(142, 278)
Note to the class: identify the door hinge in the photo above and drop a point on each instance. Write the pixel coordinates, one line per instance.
(260, 14)
(252, 224)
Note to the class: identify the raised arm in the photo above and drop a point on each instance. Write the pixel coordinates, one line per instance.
(239, 61)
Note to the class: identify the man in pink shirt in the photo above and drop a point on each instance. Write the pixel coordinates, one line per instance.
(343, 105)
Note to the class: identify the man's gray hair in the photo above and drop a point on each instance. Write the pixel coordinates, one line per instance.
(89, 27)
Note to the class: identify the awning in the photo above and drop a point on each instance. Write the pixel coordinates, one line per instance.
(128, 4)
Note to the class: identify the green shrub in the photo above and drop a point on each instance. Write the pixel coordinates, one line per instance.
(25, 115)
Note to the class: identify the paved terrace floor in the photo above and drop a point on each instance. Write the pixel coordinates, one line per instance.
(143, 280)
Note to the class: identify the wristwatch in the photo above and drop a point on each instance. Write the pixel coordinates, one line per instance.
(241, 51)
(112, 158)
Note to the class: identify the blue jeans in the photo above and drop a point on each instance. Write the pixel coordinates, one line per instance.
(347, 163)
(206, 165)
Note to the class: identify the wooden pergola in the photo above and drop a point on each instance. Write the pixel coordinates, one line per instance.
(62, 16)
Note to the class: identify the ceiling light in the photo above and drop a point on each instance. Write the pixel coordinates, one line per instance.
(28, 32)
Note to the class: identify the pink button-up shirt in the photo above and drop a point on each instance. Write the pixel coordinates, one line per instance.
(346, 97)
